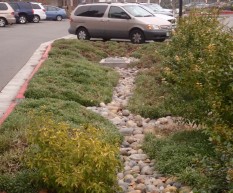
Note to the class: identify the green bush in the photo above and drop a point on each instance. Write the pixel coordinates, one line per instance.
(198, 70)
(72, 160)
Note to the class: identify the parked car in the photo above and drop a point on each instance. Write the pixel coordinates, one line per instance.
(117, 20)
(55, 13)
(7, 15)
(39, 12)
(196, 5)
(23, 10)
(171, 19)
(158, 9)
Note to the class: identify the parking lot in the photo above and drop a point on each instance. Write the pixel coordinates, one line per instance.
(19, 41)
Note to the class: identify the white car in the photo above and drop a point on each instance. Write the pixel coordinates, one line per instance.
(39, 12)
(158, 9)
(169, 18)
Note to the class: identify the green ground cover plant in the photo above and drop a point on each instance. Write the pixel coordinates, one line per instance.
(72, 72)
(149, 95)
(191, 157)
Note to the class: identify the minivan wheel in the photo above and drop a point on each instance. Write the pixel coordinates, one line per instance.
(59, 18)
(82, 34)
(22, 19)
(2, 22)
(137, 37)
(36, 19)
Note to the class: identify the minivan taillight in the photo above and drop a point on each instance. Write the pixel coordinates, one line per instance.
(13, 13)
(32, 11)
(43, 10)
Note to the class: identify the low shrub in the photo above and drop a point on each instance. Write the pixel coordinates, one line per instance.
(70, 159)
(198, 71)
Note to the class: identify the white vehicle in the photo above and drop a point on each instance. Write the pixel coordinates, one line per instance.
(158, 9)
(39, 12)
(169, 18)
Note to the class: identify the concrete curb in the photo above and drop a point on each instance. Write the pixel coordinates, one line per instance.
(15, 89)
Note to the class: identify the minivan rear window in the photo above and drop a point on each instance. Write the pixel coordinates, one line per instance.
(14, 6)
(3, 6)
(91, 11)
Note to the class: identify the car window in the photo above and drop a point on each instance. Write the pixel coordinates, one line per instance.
(137, 11)
(51, 9)
(117, 12)
(35, 6)
(3, 6)
(26, 5)
(81, 11)
(14, 6)
(91, 11)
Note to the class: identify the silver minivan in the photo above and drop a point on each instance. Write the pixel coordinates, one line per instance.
(117, 20)
(7, 15)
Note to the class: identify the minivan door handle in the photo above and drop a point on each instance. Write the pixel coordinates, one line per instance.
(104, 20)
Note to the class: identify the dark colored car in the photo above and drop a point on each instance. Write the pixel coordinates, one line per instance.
(24, 11)
(54, 13)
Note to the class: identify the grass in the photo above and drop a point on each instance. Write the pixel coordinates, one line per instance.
(189, 156)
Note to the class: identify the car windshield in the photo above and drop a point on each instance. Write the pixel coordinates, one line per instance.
(154, 7)
(137, 11)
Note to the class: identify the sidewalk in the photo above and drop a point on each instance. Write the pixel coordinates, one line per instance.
(13, 92)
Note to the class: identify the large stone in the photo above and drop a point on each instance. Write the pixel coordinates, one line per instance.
(126, 131)
(163, 120)
(125, 112)
(138, 157)
(147, 170)
(170, 189)
(141, 187)
(185, 189)
(128, 178)
(116, 120)
(131, 123)
(102, 104)
(135, 191)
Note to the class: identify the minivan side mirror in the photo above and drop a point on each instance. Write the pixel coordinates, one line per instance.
(125, 16)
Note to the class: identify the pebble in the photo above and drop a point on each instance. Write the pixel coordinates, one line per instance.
(139, 175)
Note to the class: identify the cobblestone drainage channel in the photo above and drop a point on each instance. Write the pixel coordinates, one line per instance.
(121, 62)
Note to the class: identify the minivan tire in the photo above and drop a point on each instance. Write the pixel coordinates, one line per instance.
(36, 19)
(22, 19)
(82, 34)
(2, 22)
(137, 36)
(59, 18)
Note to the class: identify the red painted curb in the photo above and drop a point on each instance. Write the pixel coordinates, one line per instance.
(8, 112)
(226, 12)
(23, 88)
